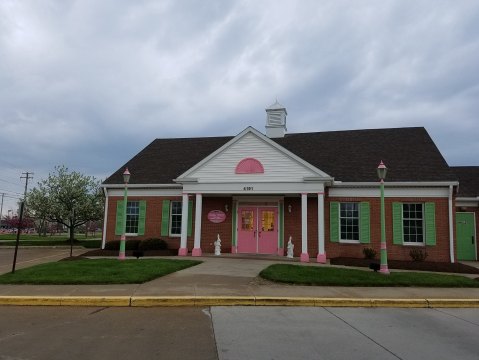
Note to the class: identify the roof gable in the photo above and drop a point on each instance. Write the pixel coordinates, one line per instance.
(279, 164)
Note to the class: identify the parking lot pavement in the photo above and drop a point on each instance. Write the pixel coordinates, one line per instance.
(73, 333)
(345, 333)
(229, 333)
(29, 256)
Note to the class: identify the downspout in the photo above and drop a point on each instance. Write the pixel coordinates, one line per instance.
(103, 240)
(451, 226)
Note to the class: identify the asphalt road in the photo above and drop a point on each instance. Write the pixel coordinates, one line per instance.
(238, 333)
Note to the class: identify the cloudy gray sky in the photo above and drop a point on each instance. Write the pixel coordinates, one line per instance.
(89, 83)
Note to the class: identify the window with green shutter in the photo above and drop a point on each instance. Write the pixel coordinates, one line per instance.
(190, 217)
(350, 222)
(414, 223)
(135, 217)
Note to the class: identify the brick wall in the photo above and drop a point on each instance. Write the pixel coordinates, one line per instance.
(292, 226)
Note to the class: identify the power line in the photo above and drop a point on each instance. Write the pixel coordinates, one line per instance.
(10, 182)
(11, 192)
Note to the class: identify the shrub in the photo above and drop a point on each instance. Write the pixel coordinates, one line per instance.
(369, 253)
(418, 255)
(115, 245)
(153, 244)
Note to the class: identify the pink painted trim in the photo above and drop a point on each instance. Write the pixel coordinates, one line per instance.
(249, 166)
(304, 193)
(384, 269)
(234, 249)
(383, 246)
(196, 252)
(304, 257)
(321, 258)
(280, 252)
(182, 252)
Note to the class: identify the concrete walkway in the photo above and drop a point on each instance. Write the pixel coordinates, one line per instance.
(230, 280)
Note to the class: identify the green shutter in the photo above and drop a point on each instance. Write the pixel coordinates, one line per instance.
(397, 224)
(190, 217)
(165, 218)
(119, 227)
(142, 218)
(430, 213)
(334, 221)
(364, 223)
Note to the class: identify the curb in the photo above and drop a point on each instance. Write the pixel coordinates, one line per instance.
(200, 301)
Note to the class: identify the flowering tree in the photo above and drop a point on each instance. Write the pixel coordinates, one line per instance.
(68, 198)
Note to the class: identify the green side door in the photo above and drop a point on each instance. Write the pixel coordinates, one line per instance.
(465, 236)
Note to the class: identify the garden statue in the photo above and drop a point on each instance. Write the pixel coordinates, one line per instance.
(218, 245)
(290, 248)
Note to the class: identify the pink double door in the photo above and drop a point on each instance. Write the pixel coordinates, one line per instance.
(258, 230)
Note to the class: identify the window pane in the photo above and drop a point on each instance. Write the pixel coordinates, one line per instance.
(132, 215)
(175, 228)
(267, 220)
(413, 223)
(349, 221)
(247, 220)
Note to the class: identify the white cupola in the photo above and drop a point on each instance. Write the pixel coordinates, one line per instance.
(276, 120)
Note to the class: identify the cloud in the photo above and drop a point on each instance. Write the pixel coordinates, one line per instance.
(88, 83)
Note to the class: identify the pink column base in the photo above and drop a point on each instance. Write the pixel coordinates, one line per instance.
(304, 257)
(384, 270)
(280, 252)
(182, 252)
(321, 258)
(234, 249)
(196, 252)
(121, 256)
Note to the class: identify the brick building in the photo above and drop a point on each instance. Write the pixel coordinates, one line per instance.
(318, 189)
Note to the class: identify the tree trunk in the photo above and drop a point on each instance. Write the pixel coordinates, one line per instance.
(72, 232)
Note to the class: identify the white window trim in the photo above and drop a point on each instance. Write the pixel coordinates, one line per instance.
(349, 241)
(134, 234)
(416, 243)
(171, 219)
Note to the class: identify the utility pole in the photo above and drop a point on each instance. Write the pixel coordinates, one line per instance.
(28, 175)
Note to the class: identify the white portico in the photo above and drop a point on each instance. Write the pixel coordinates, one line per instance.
(258, 174)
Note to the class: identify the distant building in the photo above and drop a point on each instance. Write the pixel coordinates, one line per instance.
(320, 188)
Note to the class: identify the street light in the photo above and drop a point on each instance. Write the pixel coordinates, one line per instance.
(126, 179)
(382, 170)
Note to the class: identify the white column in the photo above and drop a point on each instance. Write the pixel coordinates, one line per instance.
(304, 228)
(197, 246)
(183, 251)
(321, 258)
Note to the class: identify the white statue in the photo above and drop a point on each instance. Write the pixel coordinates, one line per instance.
(218, 245)
(290, 248)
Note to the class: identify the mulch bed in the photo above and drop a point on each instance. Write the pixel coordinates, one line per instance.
(409, 265)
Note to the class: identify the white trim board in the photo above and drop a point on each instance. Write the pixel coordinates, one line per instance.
(146, 192)
(390, 192)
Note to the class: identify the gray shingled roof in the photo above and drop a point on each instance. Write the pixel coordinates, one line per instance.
(468, 180)
(409, 153)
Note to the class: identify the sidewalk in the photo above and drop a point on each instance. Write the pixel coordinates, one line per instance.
(232, 281)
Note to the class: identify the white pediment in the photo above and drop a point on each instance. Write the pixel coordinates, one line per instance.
(279, 164)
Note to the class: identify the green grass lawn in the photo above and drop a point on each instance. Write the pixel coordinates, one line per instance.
(55, 240)
(96, 271)
(331, 276)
